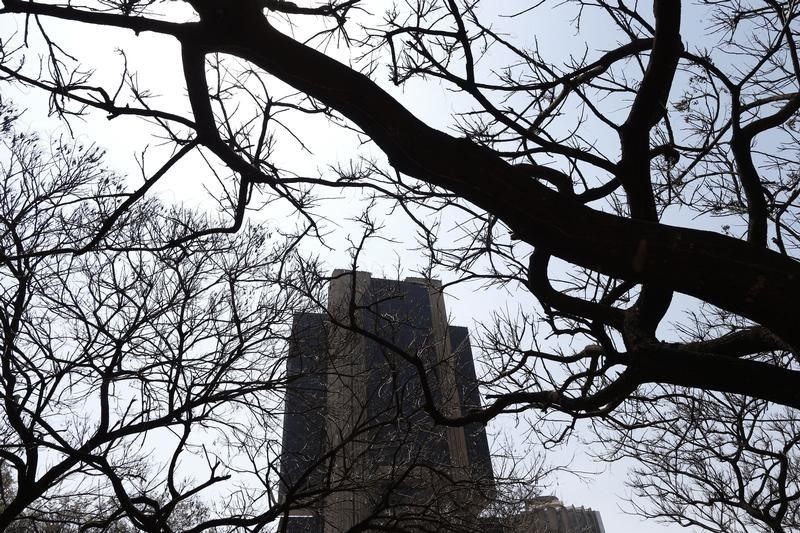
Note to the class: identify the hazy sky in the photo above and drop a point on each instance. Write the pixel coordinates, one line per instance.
(157, 60)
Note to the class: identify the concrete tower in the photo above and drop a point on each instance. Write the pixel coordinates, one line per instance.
(360, 447)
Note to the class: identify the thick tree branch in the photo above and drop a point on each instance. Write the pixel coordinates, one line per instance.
(133, 23)
(726, 272)
(740, 343)
(648, 108)
(662, 363)
(750, 281)
(539, 284)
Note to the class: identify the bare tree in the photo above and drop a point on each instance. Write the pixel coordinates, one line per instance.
(108, 351)
(575, 179)
(715, 461)
(143, 383)
(719, 462)
(542, 180)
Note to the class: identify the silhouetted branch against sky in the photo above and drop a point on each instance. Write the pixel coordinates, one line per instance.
(632, 189)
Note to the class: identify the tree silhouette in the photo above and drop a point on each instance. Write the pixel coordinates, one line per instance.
(594, 187)
(144, 385)
(631, 254)
(105, 351)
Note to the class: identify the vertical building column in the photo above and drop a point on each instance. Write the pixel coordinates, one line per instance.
(446, 373)
(346, 401)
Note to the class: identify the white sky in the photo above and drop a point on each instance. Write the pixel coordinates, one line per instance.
(157, 61)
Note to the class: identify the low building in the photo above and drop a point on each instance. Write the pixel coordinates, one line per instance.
(548, 515)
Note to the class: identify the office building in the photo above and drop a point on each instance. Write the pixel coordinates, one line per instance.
(359, 445)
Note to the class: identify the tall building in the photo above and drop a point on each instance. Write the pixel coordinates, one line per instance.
(359, 446)
(360, 449)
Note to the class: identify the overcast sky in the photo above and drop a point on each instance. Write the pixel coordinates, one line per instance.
(156, 60)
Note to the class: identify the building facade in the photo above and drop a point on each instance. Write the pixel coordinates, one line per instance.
(547, 514)
(359, 445)
(361, 450)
